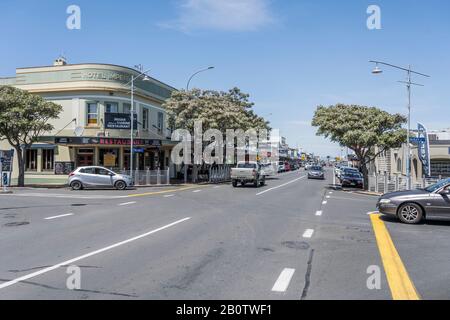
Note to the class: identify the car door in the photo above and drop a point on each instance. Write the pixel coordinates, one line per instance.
(440, 203)
(87, 176)
(103, 177)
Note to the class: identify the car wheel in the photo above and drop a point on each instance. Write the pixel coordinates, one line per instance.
(76, 185)
(235, 183)
(263, 182)
(120, 185)
(410, 213)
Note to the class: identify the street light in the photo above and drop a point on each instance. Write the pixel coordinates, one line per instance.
(134, 78)
(408, 83)
(203, 70)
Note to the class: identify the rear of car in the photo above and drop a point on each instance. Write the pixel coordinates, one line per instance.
(352, 179)
(247, 172)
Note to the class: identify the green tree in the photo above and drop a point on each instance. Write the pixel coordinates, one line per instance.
(368, 131)
(24, 117)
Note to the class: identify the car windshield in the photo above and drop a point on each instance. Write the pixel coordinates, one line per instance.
(438, 185)
(247, 166)
(316, 168)
(352, 175)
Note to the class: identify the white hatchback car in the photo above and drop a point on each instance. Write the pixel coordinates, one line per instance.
(99, 177)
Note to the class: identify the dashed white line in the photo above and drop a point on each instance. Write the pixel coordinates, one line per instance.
(90, 254)
(197, 191)
(308, 233)
(283, 280)
(328, 197)
(169, 196)
(325, 202)
(60, 216)
(216, 187)
(127, 203)
(319, 213)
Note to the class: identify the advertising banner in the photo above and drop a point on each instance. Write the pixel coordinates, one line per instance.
(424, 149)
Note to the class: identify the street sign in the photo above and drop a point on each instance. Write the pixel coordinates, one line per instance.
(138, 150)
(417, 140)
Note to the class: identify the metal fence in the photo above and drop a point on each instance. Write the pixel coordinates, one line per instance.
(220, 174)
(150, 177)
(383, 183)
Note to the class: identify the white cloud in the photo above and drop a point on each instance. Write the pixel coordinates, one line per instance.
(222, 15)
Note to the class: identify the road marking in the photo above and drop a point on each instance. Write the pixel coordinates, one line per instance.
(71, 261)
(60, 216)
(280, 186)
(160, 192)
(325, 202)
(127, 203)
(328, 197)
(400, 284)
(216, 187)
(196, 191)
(331, 192)
(169, 196)
(319, 213)
(283, 280)
(308, 233)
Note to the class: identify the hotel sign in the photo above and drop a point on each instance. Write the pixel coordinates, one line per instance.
(109, 75)
(119, 121)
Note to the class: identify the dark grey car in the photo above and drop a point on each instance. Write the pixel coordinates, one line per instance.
(414, 205)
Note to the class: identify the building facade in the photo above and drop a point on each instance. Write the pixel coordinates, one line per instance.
(94, 126)
(394, 161)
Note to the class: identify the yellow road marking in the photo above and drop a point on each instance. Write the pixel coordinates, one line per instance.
(162, 192)
(400, 284)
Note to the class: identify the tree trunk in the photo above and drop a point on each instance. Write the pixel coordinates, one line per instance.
(365, 172)
(21, 162)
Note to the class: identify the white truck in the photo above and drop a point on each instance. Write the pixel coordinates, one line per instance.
(248, 172)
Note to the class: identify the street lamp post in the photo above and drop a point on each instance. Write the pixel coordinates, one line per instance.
(133, 79)
(203, 70)
(408, 83)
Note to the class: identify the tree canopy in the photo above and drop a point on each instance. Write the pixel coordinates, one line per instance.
(23, 118)
(361, 129)
(217, 110)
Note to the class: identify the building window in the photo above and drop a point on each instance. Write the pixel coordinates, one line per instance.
(440, 168)
(31, 160)
(48, 159)
(109, 158)
(92, 114)
(111, 107)
(145, 118)
(127, 108)
(160, 121)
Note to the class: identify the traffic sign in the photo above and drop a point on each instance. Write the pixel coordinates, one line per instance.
(417, 140)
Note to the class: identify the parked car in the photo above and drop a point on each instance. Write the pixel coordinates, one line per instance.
(248, 172)
(316, 172)
(269, 169)
(91, 177)
(413, 206)
(287, 167)
(281, 167)
(351, 179)
(308, 166)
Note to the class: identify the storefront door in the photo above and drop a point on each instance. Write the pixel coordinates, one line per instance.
(85, 160)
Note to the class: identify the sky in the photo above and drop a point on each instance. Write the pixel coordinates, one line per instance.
(289, 55)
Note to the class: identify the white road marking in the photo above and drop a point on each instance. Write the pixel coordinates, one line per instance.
(169, 196)
(90, 254)
(370, 213)
(280, 186)
(328, 197)
(283, 280)
(319, 213)
(127, 203)
(325, 202)
(197, 191)
(216, 187)
(331, 192)
(60, 216)
(308, 233)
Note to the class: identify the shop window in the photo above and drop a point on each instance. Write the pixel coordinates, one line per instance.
(109, 158)
(92, 114)
(31, 160)
(48, 159)
(111, 107)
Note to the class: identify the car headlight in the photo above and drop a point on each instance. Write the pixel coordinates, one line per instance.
(385, 201)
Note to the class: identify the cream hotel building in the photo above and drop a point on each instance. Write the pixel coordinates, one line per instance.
(91, 95)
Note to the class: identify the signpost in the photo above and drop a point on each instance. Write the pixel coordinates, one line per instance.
(6, 168)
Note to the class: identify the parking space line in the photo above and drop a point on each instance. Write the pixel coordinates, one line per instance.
(283, 280)
(127, 203)
(308, 233)
(90, 254)
(60, 216)
(400, 284)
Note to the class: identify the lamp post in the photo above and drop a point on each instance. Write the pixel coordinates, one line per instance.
(408, 83)
(196, 73)
(133, 79)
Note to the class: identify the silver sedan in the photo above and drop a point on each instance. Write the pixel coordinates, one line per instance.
(99, 177)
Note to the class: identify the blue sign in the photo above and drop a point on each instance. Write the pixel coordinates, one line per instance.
(138, 150)
(424, 149)
(417, 140)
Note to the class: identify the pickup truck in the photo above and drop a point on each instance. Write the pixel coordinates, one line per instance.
(248, 172)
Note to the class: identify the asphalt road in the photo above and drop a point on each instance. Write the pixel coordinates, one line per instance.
(292, 239)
